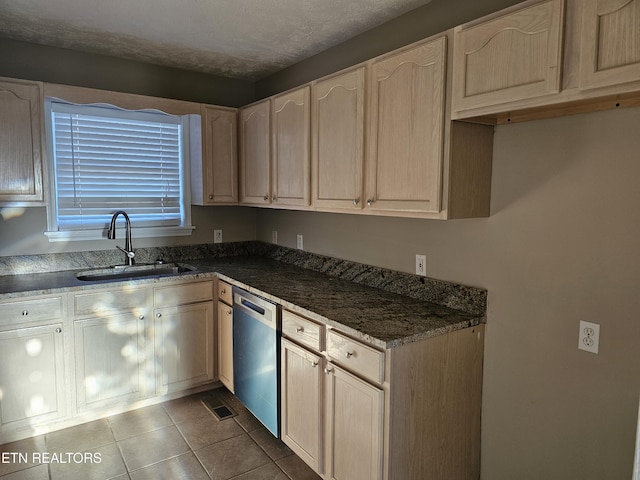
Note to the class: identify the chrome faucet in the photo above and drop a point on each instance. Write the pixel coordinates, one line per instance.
(111, 235)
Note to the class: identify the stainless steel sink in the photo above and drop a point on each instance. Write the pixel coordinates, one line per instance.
(125, 272)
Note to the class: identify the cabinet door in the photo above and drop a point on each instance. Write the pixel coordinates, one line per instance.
(514, 56)
(220, 162)
(301, 378)
(225, 345)
(610, 43)
(338, 140)
(111, 360)
(290, 181)
(183, 346)
(354, 427)
(20, 142)
(32, 377)
(406, 130)
(255, 153)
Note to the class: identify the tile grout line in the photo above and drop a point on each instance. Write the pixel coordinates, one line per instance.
(193, 452)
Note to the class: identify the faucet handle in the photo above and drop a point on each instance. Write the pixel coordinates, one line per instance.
(128, 253)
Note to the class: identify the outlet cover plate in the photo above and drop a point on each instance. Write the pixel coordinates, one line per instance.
(421, 265)
(589, 336)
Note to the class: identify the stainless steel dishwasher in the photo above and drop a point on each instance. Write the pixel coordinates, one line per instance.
(256, 357)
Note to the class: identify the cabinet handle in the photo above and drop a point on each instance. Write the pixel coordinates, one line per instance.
(140, 317)
(229, 312)
(328, 370)
(356, 201)
(299, 329)
(350, 354)
(58, 330)
(314, 364)
(25, 313)
(265, 198)
(158, 315)
(370, 201)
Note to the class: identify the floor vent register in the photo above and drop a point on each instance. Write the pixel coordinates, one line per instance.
(218, 408)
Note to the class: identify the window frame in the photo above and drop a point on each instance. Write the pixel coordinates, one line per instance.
(191, 149)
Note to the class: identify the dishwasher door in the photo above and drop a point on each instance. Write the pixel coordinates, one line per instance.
(256, 357)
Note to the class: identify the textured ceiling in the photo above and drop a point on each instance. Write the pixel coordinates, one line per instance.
(247, 39)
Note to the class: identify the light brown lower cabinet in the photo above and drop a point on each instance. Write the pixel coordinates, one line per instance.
(416, 417)
(110, 360)
(73, 357)
(354, 412)
(301, 420)
(183, 346)
(224, 295)
(225, 345)
(32, 376)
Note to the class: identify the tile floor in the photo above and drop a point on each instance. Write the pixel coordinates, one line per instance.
(176, 440)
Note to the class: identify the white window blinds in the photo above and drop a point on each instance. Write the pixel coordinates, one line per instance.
(107, 159)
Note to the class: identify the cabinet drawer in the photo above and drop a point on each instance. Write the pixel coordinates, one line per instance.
(225, 292)
(110, 301)
(173, 295)
(356, 356)
(301, 330)
(30, 310)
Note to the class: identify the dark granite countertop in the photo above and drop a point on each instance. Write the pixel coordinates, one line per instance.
(372, 314)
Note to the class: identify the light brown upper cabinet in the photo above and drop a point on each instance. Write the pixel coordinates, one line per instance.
(513, 55)
(215, 180)
(255, 153)
(406, 129)
(338, 140)
(610, 43)
(21, 142)
(290, 157)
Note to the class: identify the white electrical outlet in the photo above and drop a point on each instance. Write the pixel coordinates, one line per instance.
(589, 336)
(299, 242)
(274, 237)
(421, 265)
(217, 236)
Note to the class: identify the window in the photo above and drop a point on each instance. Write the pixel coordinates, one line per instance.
(106, 159)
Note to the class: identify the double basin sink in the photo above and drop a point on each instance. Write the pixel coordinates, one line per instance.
(126, 272)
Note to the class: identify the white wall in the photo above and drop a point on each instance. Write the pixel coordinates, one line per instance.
(22, 231)
(562, 244)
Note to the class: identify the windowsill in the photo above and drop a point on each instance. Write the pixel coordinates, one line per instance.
(136, 232)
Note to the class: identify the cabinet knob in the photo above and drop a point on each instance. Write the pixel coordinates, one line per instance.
(299, 329)
(25, 313)
(223, 292)
(158, 315)
(356, 201)
(140, 317)
(314, 364)
(349, 354)
(210, 197)
(274, 198)
(370, 201)
(229, 312)
(265, 198)
(58, 330)
(328, 370)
